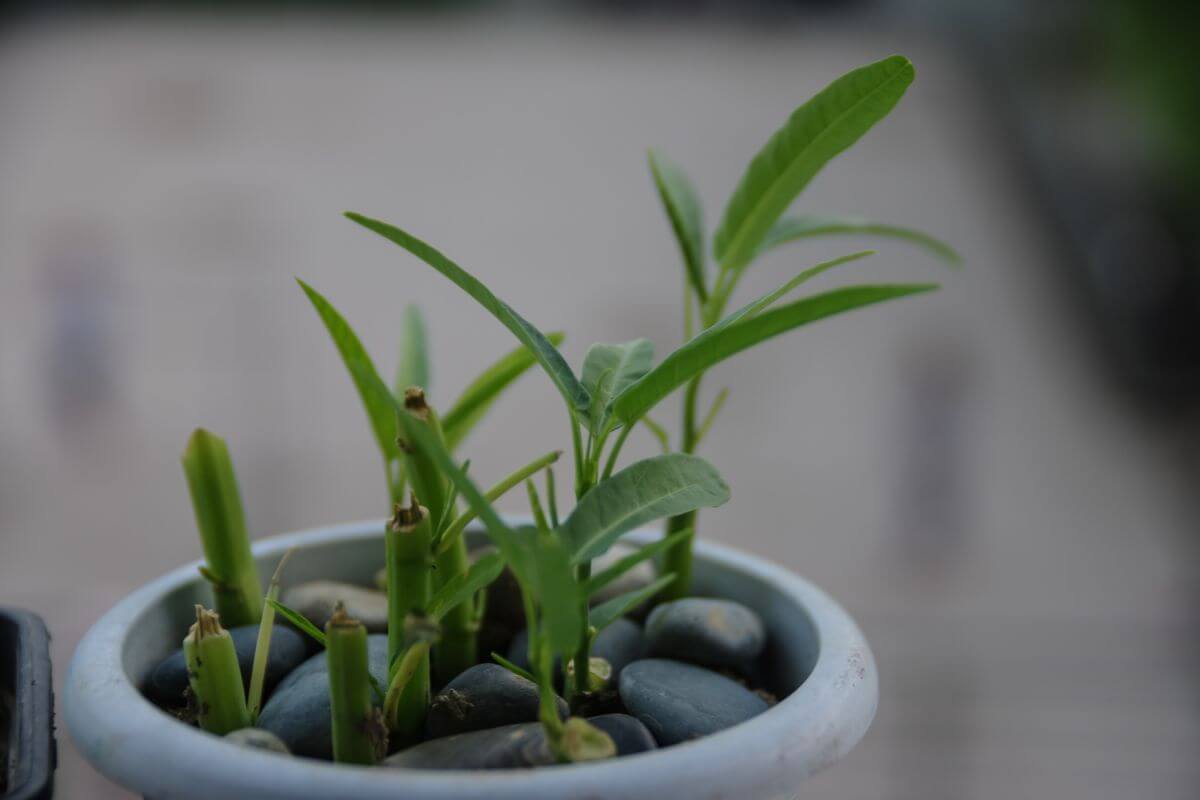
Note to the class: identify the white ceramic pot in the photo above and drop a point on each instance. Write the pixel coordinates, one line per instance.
(816, 655)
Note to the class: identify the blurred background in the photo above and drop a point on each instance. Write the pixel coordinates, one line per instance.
(999, 481)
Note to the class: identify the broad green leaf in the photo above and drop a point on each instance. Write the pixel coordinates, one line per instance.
(413, 366)
(545, 352)
(477, 398)
(379, 411)
(608, 369)
(646, 490)
(789, 229)
(619, 568)
(817, 131)
(686, 214)
(703, 351)
(559, 594)
(610, 611)
(462, 588)
(299, 620)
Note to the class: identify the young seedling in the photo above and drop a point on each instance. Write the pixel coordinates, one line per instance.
(230, 565)
(214, 675)
(262, 647)
(409, 588)
(359, 736)
(457, 648)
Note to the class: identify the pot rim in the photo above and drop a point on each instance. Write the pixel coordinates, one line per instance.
(120, 732)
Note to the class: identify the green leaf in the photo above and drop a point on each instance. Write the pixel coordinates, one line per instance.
(620, 567)
(789, 229)
(608, 369)
(705, 350)
(657, 487)
(462, 588)
(413, 367)
(684, 211)
(659, 433)
(379, 412)
(299, 620)
(610, 611)
(559, 595)
(477, 398)
(513, 668)
(545, 352)
(817, 131)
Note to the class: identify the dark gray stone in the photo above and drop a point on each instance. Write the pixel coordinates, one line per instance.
(619, 644)
(679, 701)
(258, 739)
(628, 733)
(169, 679)
(298, 712)
(485, 696)
(715, 633)
(508, 747)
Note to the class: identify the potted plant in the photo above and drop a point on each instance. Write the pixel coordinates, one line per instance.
(27, 751)
(531, 656)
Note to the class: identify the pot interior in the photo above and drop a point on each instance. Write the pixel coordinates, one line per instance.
(792, 644)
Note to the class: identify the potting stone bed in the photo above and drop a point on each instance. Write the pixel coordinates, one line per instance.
(691, 670)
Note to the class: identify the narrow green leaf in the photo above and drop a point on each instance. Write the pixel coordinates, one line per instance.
(299, 620)
(703, 351)
(683, 209)
(478, 397)
(770, 298)
(379, 412)
(545, 352)
(657, 487)
(610, 611)
(513, 668)
(608, 369)
(833, 120)
(413, 366)
(789, 229)
(711, 417)
(619, 568)
(462, 588)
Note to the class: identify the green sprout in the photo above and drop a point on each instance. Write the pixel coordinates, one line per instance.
(218, 505)
(262, 647)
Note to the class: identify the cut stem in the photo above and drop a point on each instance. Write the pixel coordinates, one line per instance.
(214, 675)
(409, 587)
(222, 524)
(262, 647)
(357, 734)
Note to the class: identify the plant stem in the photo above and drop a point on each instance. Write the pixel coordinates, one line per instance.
(356, 734)
(552, 498)
(584, 653)
(222, 524)
(409, 586)
(262, 647)
(456, 651)
(214, 675)
(678, 558)
(426, 479)
(535, 507)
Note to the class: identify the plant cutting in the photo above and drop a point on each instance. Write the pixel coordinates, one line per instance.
(567, 636)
